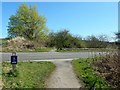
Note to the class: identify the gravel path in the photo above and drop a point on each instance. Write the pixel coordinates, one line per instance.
(63, 76)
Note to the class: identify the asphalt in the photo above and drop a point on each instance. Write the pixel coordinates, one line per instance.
(47, 55)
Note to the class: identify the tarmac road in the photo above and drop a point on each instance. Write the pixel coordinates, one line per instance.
(48, 55)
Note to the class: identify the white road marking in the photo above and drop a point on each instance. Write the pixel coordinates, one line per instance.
(46, 60)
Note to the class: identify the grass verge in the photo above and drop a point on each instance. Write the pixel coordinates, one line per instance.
(84, 50)
(42, 49)
(4, 49)
(26, 75)
(90, 79)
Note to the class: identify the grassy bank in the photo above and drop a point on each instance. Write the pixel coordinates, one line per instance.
(90, 79)
(4, 49)
(85, 50)
(27, 75)
(3, 41)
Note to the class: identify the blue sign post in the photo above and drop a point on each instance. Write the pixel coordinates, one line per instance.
(13, 60)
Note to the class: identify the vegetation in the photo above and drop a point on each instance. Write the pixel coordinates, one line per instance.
(87, 75)
(27, 23)
(3, 42)
(97, 42)
(41, 49)
(108, 67)
(63, 39)
(118, 40)
(103, 70)
(85, 50)
(27, 75)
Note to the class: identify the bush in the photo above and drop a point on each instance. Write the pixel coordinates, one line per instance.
(89, 77)
(108, 67)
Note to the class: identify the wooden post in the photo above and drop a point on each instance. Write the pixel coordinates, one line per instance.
(13, 67)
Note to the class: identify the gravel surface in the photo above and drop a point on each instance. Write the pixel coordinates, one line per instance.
(63, 76)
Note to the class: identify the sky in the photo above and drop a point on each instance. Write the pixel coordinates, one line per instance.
(80, 18)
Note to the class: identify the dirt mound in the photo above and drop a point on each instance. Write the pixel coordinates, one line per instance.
(19, 43)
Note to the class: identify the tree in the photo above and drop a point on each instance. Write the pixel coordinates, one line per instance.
(27, 23)
(92, 41)
(118, 40)
(103, 40)
(61, 39)
(118, 36)
(51, 40)
(77, 42)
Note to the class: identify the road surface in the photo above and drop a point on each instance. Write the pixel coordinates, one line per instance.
(48, 55)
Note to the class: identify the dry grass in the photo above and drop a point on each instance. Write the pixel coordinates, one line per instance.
(109, 68)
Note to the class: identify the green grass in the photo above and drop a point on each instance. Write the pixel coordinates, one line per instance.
(83, 50)
(29, 50)
(87, 75)
(42, 49)
(3, 41)
(27, 74)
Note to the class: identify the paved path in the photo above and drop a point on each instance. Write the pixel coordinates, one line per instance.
(48, 55)
(63, 76)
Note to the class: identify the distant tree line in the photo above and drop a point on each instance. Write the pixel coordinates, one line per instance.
(63, 39)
